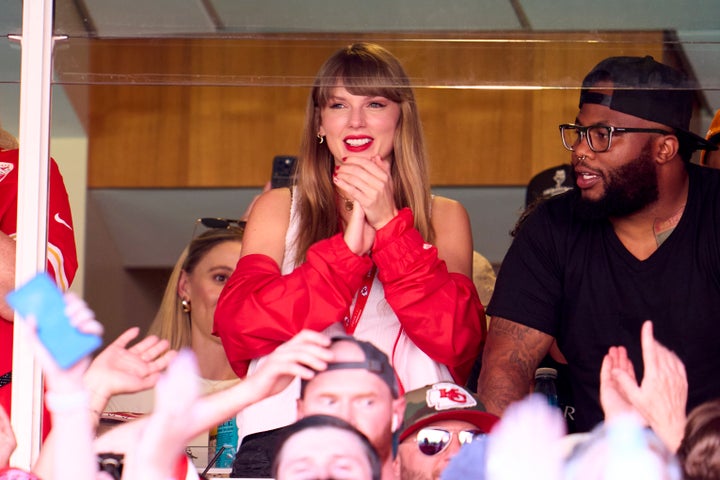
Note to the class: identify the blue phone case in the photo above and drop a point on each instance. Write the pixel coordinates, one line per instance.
(41, 297)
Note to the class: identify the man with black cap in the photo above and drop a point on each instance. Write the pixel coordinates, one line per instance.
(359, 386)
(439, 419)
(638, 239)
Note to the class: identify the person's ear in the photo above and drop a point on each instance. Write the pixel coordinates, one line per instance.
(395, 422)
(183, 289)
(398, 413)
(668, 147)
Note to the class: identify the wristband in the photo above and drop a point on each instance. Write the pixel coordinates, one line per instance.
(67, 402)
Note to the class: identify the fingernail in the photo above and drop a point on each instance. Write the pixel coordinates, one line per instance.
(337, 167)
(343, 158)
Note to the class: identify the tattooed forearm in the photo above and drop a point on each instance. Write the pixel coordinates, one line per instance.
(511, 355)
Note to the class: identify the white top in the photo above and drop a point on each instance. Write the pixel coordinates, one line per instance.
(378, 324)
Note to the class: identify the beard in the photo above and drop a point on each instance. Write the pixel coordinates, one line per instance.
(628, 189)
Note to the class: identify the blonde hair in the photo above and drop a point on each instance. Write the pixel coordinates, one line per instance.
(363, 69)
(171, 322)
(7, 140)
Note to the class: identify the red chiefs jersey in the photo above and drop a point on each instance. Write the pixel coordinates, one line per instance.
(61, 253)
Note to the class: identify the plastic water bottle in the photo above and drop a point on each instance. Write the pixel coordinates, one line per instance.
(225, 437)
(545, 379)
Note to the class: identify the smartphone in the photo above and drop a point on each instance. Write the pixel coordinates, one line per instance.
(42, 298)
(283, 171)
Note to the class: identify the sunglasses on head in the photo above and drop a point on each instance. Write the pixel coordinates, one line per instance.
(432, 441)
(210, 222)
(217, 223)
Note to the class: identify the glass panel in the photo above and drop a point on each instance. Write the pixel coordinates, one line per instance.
(167, 91)
(136, 82)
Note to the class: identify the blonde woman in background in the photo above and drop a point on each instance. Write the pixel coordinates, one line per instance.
(186, 313)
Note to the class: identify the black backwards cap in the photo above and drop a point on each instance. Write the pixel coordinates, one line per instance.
(647, 89)
(375, 362)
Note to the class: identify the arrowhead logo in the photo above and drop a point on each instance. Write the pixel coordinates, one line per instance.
(5, 169)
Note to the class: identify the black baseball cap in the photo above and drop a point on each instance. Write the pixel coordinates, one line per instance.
(376, 361)
(645, 88)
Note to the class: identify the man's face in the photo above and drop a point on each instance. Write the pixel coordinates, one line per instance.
(415, 465)
(623, 180)
(357, 396)
(335, 453)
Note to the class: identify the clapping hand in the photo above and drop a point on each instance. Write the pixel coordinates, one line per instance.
(660, 398)
(368, 182)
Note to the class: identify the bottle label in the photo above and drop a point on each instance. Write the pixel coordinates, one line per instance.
(227, 439)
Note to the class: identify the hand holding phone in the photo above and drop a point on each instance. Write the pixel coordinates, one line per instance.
(41, 298)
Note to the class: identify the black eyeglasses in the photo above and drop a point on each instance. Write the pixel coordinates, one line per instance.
(431, 440)
(599, 137)
(217, 223)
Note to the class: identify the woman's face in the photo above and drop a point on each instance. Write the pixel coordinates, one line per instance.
(359, 126)
(202, 287)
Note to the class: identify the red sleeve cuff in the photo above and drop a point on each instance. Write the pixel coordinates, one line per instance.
(402, 222)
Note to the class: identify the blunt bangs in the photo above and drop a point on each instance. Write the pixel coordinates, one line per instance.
(363, 70)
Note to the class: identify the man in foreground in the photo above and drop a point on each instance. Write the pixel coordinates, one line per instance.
(359, 386)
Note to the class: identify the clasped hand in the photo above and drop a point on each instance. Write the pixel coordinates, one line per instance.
(368, 183)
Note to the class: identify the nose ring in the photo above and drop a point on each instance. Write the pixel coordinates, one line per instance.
(581, 158)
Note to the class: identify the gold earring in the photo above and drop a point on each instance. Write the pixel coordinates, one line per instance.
(321, 139)
(186, 306)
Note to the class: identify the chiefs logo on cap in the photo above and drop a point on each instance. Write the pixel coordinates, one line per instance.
(447, 396)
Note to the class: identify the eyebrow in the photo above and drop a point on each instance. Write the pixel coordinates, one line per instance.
(220, 268)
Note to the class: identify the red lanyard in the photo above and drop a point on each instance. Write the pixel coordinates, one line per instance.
(351, 321)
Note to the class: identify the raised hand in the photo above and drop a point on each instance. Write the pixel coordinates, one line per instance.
(119, 369)
(301, 356)
(368, 182)
(80, 317)
(164, 435)
(612, 397)
(68, 449)
(661, 397)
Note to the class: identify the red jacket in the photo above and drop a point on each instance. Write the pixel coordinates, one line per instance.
(440, 311)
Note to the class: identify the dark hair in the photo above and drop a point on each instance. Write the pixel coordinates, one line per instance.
(325, 421)
(699, 451)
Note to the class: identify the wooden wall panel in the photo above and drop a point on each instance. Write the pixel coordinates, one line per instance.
(213, 112)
